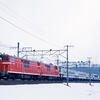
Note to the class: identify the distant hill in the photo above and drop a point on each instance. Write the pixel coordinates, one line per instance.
(94, 70)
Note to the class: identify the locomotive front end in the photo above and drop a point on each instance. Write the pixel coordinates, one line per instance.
(4, 64)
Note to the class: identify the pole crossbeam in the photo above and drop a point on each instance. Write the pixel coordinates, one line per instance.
(44, 52)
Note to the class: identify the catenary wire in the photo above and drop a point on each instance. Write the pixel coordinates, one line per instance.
(25, 31)
(22, 29)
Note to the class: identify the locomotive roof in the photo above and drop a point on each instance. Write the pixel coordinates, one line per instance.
(27, 59)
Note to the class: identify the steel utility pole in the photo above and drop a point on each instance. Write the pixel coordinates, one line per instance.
(89, 61)
(18, 49)
(67, 65)
(67, 61)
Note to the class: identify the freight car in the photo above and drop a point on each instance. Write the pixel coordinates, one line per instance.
(18, 68)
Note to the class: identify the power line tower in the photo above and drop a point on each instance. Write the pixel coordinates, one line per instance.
(64, 53)
(89, 62)
(67, 62)
(18, 50)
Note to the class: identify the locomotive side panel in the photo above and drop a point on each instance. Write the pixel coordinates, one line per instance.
(20, 68)
(34, 68)
(4, 64)
(49, 70)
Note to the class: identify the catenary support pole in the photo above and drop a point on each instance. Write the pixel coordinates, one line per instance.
(89, 61)
(67, 65)
(18, 49)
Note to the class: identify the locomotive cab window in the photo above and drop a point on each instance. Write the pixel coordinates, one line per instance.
(48, 68)
(26, 64)
(56, 67)
(12, 59)
(0, 58)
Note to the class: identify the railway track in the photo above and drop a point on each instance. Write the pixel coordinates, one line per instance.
(23, 82)
(19, 82)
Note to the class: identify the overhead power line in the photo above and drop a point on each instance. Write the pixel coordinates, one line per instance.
(22, 29)
(14, 13)
(25, 31)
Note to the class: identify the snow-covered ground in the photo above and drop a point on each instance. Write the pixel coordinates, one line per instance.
(76, 91)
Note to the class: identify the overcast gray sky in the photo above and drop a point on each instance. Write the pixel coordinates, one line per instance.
(53, 24)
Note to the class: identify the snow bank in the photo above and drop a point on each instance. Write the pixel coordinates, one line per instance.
(76, 91)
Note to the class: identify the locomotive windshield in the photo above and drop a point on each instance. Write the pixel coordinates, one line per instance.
(48, 68)
(3, 57)
(0, 58)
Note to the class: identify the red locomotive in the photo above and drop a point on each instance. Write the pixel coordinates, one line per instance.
(17, 68)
